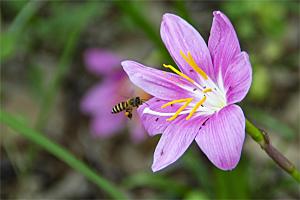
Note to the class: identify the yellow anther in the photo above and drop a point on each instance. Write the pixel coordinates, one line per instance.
(175, 101)
(188, 101)
(196, 107)
(178, 72)
(207, 90)
(189, 59)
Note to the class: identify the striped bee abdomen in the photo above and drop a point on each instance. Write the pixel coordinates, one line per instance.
(119, 107)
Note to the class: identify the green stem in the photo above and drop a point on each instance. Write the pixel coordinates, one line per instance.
(262, 138)
(60, 153)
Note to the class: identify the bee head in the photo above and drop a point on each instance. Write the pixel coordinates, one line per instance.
(138, 99)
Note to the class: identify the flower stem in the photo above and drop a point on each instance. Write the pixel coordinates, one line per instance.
(262, 138)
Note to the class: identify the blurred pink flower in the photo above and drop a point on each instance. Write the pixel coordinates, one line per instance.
(113, 89)
(101, 62)
(197, 102)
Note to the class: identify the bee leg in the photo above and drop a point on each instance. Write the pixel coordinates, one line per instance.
(128, 114)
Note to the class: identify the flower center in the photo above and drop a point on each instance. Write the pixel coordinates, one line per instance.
(206, 99)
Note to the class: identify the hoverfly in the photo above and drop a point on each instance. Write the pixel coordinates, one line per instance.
(127, 106)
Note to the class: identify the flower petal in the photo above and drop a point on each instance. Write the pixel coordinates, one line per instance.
(161, 84)
(175, 140)
(152, 123)
(223, 43)
(93, 101)
(101, 62)
(137, 131)
(222, 137)
(106, 126)
(178, 35)
(238, 77)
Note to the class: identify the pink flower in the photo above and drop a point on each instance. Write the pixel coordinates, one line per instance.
(113, 89)
(197, 102)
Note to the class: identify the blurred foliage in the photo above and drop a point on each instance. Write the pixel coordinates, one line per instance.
(271, 123)
(266, 18)
(60, 153)
(234, 184)
(10, 38)
(159, 182)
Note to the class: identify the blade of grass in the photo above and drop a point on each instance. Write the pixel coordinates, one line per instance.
(60, 153)
(24, 16)
(10, 38)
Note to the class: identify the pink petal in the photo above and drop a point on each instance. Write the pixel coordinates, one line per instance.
(178, 35)
(155, 124)
(167, 86)
(222, 137)
(101, 62)
(137, 131)
(223, 43)
(238, 78)
(107, 125)
(96, 104)
(175, 140)
(93, 101)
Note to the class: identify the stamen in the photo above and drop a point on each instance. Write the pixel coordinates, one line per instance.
(189, 59)
(196, 107)
(207, 90)
(180, 109)
(179, 73)
(175, 101)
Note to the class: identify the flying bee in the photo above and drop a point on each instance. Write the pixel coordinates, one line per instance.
(127, 106)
